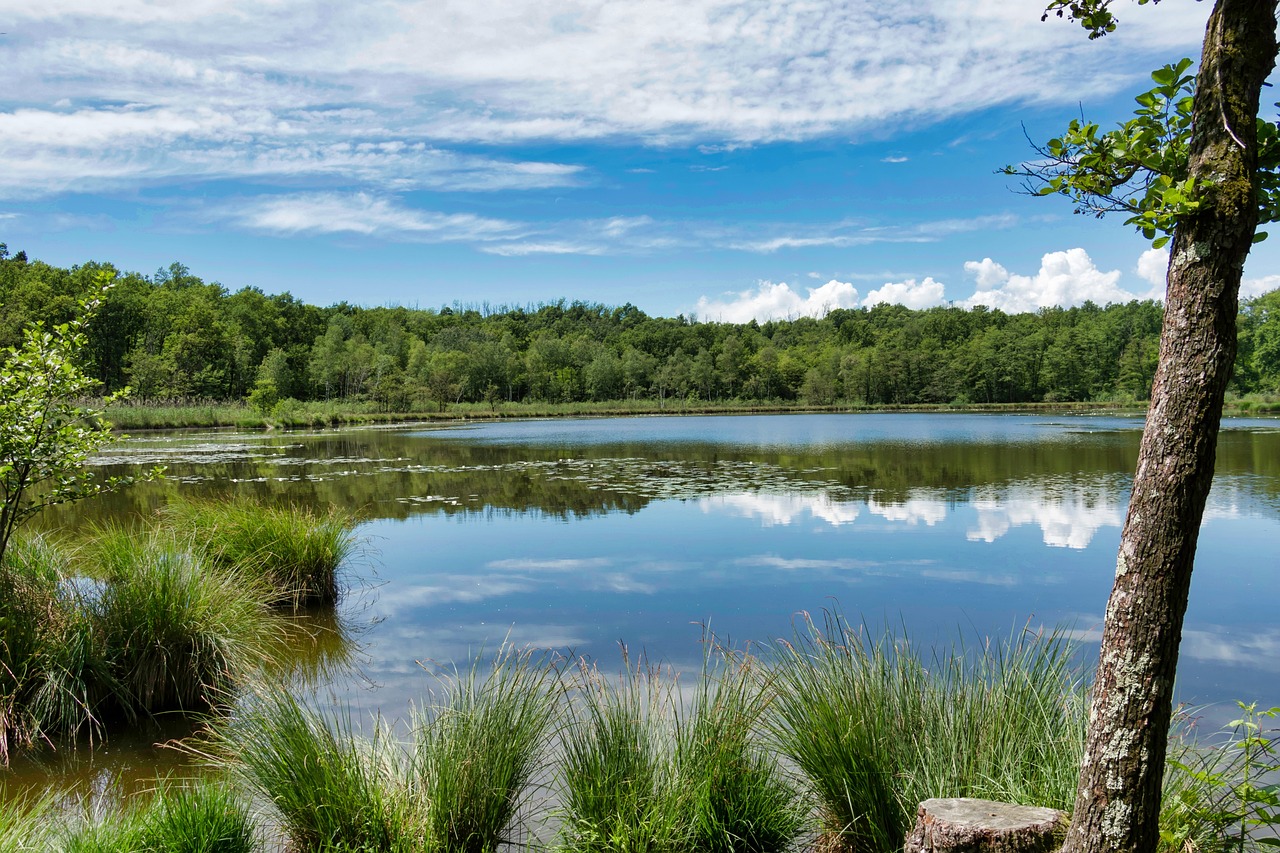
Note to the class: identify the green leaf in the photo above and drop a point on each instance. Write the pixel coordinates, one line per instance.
(1259, 236)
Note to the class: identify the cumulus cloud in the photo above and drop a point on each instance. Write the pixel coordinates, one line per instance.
(911, 293)
(1065, 279)
(1065, 521)
(1153, 264)
(770, 300)
(781, 510)
(1251, 288)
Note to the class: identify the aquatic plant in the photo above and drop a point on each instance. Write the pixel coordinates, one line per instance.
(297, 550)
(477, 752)
(53, 668)
(877, 728)
(740, 799)
(178, 635)
(205, 816)
(618, 781)
(332, 789)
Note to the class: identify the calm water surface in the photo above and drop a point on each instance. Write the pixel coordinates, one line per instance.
(580, 535)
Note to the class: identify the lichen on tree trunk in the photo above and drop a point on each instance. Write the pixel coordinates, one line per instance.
(1118, 800)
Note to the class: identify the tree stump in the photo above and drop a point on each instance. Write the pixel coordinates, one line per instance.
(963, 825)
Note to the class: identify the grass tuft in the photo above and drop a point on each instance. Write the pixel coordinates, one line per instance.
(478, 752)
(877, 728)
(333, 790)
(299, 552)
(179, 636)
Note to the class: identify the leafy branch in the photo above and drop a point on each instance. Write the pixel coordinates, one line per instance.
(1141, 168)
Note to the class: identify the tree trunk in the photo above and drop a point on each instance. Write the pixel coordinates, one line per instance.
(1118, 799)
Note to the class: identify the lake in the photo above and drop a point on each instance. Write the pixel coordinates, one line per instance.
(579, 535)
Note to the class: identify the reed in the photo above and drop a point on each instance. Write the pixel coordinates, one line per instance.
(203, 817)
(298, 551)
(332, 789)
(477, 752)
(876, 727)
(178, 635)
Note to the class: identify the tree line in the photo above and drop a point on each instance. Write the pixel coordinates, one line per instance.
(172, 336)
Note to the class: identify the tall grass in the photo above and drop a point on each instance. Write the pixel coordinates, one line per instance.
(178, 635)
(332, 789)
(477, 753)
(298, 551)
(643, 772)
(53, 667)
(205, 817)
(741, 801)
(24, 824)
(619, 789)
(877, 727)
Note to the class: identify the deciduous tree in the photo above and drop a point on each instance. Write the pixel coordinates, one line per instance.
(1195, 165)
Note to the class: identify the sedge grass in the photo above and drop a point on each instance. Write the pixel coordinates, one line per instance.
(741, 801)
(53, 669)
(179, 635)
(298, 551)
(477, 752)
(877, 728)
(619, 787)
(332, 789)
(205, 817)
(24, 824)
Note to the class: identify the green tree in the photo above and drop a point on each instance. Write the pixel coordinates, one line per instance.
(46, 436)
(1196, 166)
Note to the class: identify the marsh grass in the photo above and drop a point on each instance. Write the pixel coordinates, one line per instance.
(477, 752)
(24, 824)
(203, 817)
(877, 727)
(178, 635)
(298, 551)
(332, 789)
(53, 667)
(618, 781)
(741, 800)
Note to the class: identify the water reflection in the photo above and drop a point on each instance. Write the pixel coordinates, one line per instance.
(577, 535)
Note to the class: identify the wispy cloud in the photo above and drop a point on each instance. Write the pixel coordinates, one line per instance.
(360, 213)
(372, 93)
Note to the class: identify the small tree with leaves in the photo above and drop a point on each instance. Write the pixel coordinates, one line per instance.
(47, 434)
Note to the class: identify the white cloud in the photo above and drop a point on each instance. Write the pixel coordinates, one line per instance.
(212, 88)
(1152, 266)
(894, 159)
(781, 510)
(912, 511)
(1251, 288)
(772, 300)
(1065, 520)
(359, 213)
(911, 293)
(1065, 279)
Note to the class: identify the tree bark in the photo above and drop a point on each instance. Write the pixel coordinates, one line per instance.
(1118, 800)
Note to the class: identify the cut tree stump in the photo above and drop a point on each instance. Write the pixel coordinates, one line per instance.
(964, 825)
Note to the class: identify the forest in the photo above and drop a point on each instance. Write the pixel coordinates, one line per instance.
(172, 337)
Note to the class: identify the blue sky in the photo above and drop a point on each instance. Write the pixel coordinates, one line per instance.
(722, 158)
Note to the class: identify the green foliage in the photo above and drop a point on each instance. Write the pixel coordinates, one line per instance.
(1094, 15)
(179, 635)
(206, 817)
(46, 436)
(1141, 167)
(877, 728)
(638, 774)
(1226, 798)
(24, 824)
